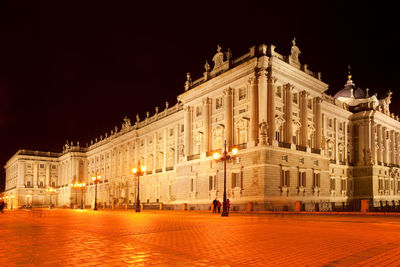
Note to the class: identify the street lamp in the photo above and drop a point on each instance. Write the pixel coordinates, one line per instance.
(51, 190)
(12, 200)
(75, 185)
(224, 157)
(138, 171)
(96, 181)
(81, 186)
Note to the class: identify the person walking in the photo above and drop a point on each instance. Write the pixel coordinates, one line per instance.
(228, 204)
(1, 206)
(219, 206)
(215, 202)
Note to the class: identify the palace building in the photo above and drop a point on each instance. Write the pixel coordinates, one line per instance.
(295, 143)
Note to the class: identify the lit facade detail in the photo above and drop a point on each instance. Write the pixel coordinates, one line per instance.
(295, 143)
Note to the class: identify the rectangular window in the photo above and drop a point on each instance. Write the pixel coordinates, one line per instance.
(191, 185)
(182, 128)
(386, 184)
(53, 167)
(218, 103)
(380, 184)
(28, 184)
(302, 179)
(277, 136)
(330, 122)
(235, 180)
(53, 183)
(278, 91)
(294, 98)
(171, 132)
(42, 166)
(41, 184)
(285, 178)
(294, 139)
(242, 93)
(309, 103)
(333, 184)
(344, 185)
(198, 111)
(316, 180)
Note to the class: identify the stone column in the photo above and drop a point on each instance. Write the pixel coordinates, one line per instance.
(207, 124)
(379, 133)
(35, 174)
(145, 151)
(392, 161)
(47, 182)
(21, 174)
(336, 140)
(397, 148)
(177, 132)
(188, 131)
(385, 145)
(318, 123)
(155, 152)
(289, 114)
(165, 149)
(253, 97)
(373, 143)
(361, 143)
(262, 98)
(345, 150)
(228, 116)
(304, 118)
(271, 110)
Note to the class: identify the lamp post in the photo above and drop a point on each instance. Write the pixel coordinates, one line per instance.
(75, 185)
(138, 171)
(81, 186)
(224, 157)
(12, 200)
(51, 190)
(96, 181)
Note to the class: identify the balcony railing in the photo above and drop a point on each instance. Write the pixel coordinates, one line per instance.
(301, 148)
(283, 144)
(149, 172)
(192, 157)
(158, 170)
(332, 161)
(315, 150)
(169, 168)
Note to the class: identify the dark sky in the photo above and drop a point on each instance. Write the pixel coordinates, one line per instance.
(73, 70)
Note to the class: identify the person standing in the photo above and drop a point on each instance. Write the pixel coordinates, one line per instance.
(228, 204)
(219, 206)
(215, 203)
(1, 206)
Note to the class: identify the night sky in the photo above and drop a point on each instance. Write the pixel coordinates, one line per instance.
(72, 70)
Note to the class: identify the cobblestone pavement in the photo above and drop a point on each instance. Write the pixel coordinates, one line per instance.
(167, 238)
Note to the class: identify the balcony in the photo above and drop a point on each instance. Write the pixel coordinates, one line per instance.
(284, 145)
(301, 148)
(193, 157)
(158, 170)
(149, 172)
(333, 161)
(169, 168)
(315, 150)
(342, 162)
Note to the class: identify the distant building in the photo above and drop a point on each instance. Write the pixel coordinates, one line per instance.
(295, 142)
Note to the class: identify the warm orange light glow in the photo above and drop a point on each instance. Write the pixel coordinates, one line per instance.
(93, 178)
(234, 151)
(12, 196)
(143, 168)
(216, 155)
(134, 170)
(99, 177)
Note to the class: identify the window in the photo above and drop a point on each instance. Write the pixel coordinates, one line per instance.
(344, 185)
(316, 180)
(333, 184)
(171, 132)
(242, 93)
(212, 182)
(380, 184)
(42, 166)
(182, 128)
(53, 184)
(277, 136)
(41, 184)
(330, 122)
(278, 92)
(302, 179)
(294, 98)
(309, 103)
(294, 139)
(341, 126)
(285, 178)
(53, 167)
(28, 184)
(198, 111)
(218, 103)
(386, 184)
(236, 179)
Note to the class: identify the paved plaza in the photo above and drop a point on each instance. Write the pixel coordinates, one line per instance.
(174, 238)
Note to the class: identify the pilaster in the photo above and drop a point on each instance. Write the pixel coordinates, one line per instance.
(253, 111)
(228, 116)
(188, 131)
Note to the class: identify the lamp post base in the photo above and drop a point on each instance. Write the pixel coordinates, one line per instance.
(138, 209)
(224, 213)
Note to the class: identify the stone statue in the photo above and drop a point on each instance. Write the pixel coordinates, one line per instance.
(295, 52)
(166, 105)
(126, 124)
(137, 118)
(188, 82)
(156, 110)
(228, 54)
(147, 115)
(207, 67)
(218, 58)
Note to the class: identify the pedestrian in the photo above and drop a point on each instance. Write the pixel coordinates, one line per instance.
(228, 204)
(215, 203)
(1, 206)
(219, 206)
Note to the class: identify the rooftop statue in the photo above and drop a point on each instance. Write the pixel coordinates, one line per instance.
(218, 58)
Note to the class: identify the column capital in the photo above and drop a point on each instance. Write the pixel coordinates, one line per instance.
(187, 108)
(206, 101)
(228, 91)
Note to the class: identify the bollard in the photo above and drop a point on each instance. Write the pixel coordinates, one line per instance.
(184, 206)
(364, 205)
(297, 206)
(249, 206)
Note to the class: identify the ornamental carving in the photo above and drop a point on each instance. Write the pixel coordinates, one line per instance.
(218, 58)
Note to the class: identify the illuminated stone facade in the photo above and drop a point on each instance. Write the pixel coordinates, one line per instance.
(295, 142)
